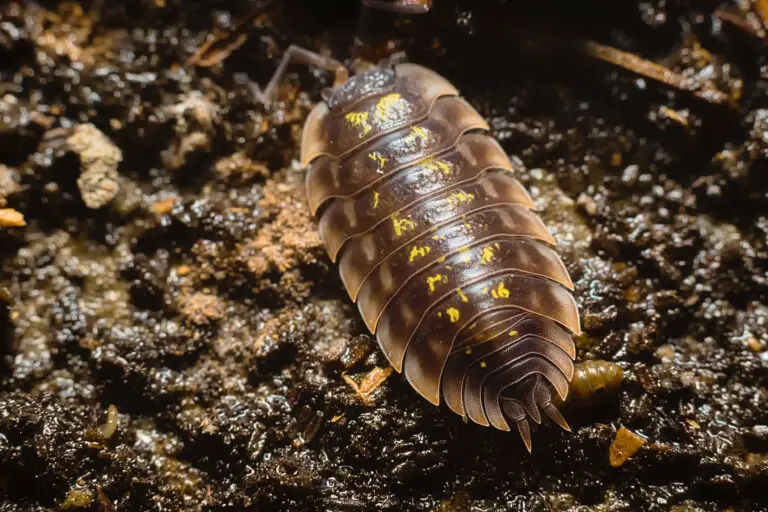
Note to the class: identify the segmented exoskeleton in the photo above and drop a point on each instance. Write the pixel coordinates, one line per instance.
(438, 244)
(436, 240)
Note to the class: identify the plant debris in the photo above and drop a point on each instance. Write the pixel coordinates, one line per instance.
(624, 446)
(10, 218)
(701, 88)
(369, 383)
(217, 48)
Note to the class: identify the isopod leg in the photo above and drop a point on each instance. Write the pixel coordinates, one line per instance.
(299, 55)
(401, 6)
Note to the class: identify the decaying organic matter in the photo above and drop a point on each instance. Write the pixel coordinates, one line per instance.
(200, 303)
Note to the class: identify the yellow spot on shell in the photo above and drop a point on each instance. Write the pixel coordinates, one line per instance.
(441, 259)
(487, 255)
(401, 225)
(513, 333)
(453, 314)
(485, 290)
(418, 252)
(468, 351)
(379, 159)
(416, 133)
(436, 279)
(500, 292)
(438, 165)
(359, 119)
(460, 197)
(461, 295)
(437, 237)
(386, 107)
(375, 199)
(483, 364)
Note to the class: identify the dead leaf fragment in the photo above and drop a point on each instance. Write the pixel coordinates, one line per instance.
(370, 383)
(624, 446)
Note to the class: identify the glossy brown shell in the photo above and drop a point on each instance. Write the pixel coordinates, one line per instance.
(438, 243)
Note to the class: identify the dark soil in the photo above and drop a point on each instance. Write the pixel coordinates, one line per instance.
(169, 266)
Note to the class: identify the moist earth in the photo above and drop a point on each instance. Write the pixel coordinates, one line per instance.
(174, 336)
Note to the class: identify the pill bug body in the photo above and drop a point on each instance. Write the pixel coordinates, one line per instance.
(438, 244)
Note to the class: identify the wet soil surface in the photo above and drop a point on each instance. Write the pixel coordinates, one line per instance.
(175, 338)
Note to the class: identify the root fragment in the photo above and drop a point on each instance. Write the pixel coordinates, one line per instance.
(703, 89)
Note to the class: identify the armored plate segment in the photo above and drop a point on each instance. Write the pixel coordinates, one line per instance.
(438, 243)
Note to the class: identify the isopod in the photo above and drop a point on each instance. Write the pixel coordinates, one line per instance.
(438, 243)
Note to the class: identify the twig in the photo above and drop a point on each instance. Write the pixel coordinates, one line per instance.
(217, 49)
(754, 26)
(700, 88)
